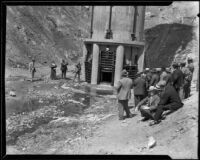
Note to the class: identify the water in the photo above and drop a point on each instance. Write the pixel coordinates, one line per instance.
(87, 99)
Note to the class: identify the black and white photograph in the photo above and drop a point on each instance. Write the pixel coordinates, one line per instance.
(102, 79)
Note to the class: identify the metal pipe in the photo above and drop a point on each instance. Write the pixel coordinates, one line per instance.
(91, 27)
(134, 23)
(109, 31)
(110, 18)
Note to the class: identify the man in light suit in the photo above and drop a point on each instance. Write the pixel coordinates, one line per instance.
(124, 87)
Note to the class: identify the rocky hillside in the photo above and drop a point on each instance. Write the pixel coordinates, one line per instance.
(171, 33)
(45, 33)
(52, 33)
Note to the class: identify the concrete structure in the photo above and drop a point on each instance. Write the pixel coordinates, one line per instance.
(119, 28)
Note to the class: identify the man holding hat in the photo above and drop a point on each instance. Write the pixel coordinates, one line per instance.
(169, 100)
(32, 69)
(152, 102)
(124, 87)
(155, 77)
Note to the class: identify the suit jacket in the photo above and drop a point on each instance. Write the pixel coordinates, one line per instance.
(168, 78)
(139, 86)
(163, 75)
(177, 78)
(190, 66)
(124, 88)
(170, 96)
(154, 80)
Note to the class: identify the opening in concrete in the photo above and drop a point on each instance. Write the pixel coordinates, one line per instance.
(106, 77)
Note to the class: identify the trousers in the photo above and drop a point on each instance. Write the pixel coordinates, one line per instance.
(138, 98)
(160, 109)
(123, 106)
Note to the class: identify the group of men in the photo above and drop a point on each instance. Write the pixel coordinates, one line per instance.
(53, 67)
(156, 91)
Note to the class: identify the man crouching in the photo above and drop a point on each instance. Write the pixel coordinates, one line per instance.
(149, 104)
(124, 87)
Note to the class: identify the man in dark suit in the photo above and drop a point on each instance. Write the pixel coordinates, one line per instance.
(140, 88)
(155, 77)
(124, 87)
(177, 79)
(169, 100)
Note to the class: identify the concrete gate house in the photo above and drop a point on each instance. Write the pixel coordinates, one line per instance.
(116, 43)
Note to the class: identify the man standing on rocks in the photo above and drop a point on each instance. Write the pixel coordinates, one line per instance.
(32, 69)
(190, 66)
(124, 87)
(187, 79)
(177, 79)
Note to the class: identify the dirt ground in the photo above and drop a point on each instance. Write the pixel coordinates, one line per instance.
(87, 123)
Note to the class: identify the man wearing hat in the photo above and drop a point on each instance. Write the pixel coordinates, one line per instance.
(152, 102)
(177, 79)
(187, 80)
(169, 100)
(155, 77)
(140, 88)
(123, 88)
(32, 69)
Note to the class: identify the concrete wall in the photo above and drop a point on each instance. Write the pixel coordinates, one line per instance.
(121, 24)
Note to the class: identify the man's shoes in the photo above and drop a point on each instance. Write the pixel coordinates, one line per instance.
(130, 116)
(144, 119)
(121, 119)
(154, 123)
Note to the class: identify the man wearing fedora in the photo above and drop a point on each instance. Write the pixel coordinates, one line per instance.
(155, 77)
(169, 100)
(152, 101)
(123, 88)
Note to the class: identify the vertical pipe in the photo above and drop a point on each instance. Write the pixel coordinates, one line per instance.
(95, 64)
(109, 31)
(91, 26)
(134, 23)
(119, 63)
(110, 18)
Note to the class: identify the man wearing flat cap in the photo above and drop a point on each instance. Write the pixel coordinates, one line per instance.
(177, 79)
(169, 100)
(124, 87)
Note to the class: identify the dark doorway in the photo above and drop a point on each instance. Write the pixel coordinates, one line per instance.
(106, 77)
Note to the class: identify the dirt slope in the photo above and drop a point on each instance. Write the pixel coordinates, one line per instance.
(175, 136)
